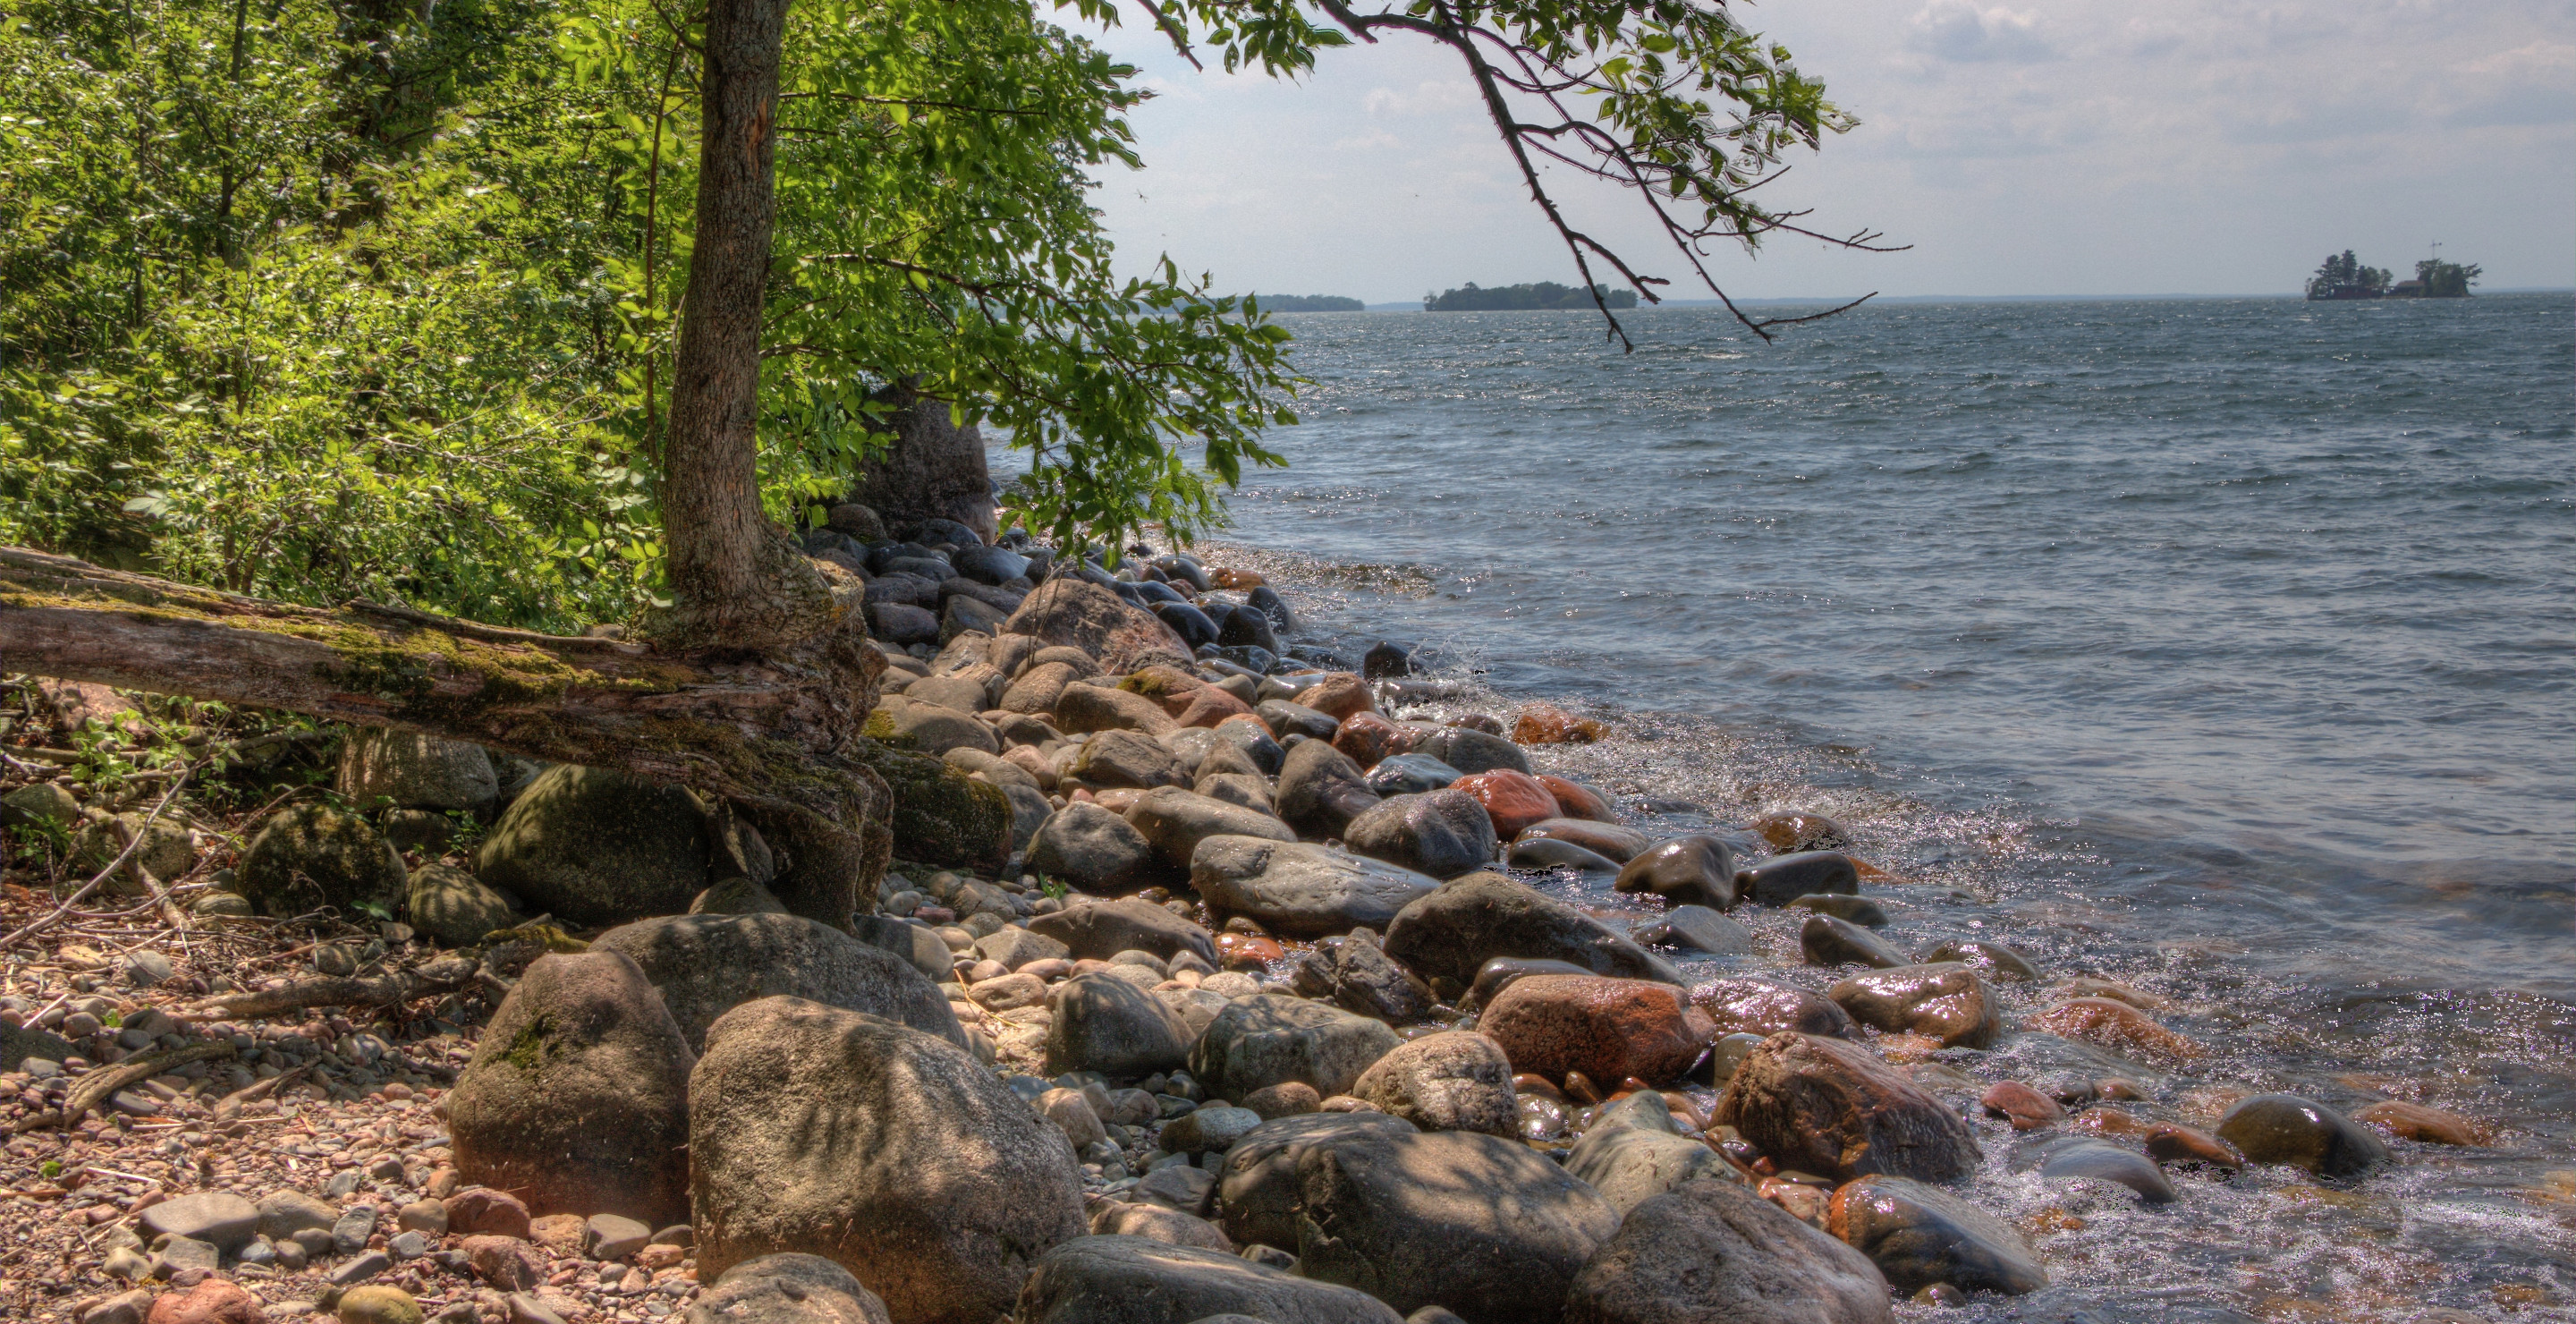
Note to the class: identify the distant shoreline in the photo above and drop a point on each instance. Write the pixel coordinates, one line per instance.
(1415, 305)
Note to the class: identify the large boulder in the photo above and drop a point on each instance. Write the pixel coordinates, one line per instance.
(784, 1289)
(1469, 921)
(707, 965)
(1632, 1153)
(1267, 1039)
(1176, 821)
(1106, 1024)
(1441, 833)
(1081, 615)
(413, 771)
(577, 1097)
(1300, 890)
(941, 815)
(1713, 1252)
(311, 856)
(1257, 1191)
(1454, 1080)
(453, 907)
(1113, 758)
(1947, 1001)
(1832, 1107)
(1608, 1029)
(1092, 849)
(1484, 1226)
(1919, 1235)
(598, 846)
(1098, 930)
(1137, 1280)
(888, 1151)
(1321, 790)
(930, 476)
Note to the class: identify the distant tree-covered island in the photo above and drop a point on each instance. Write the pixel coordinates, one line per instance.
(1505, 298)
(1310, 303)
(2344, 277)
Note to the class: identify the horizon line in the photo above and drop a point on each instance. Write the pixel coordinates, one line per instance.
(1415, 305)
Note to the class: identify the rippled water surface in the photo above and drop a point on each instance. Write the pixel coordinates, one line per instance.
(2226, 648)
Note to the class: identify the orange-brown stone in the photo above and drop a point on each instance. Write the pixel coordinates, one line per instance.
(1578, 802)
(1208, 706)
(2026, 1108)
(2174, 1143)
(1791, 832)
(1602, 1028)
(2113, 1025)
(2414, 1121)
(1338, 695)
(1368, 739)
(1514, 800)
(1547, 724)
(1224, 577)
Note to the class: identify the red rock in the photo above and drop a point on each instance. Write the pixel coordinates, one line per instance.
(1225, 578)
(1338, 695)
(2107, 1122)
(213, 1301)
(1514, 800)
(1547, 724)
(2174, 1143)
(1367, 739)
(1602, 1028)
(1246, 952)
(507, 1263)
(1210, 706)
(1791, 832)
(2113, 1025)
(1576, 802)
(479, 1210)
(2414, 1121)
(2026, 1108)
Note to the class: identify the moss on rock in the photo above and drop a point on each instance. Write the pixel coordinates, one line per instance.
(942, 816)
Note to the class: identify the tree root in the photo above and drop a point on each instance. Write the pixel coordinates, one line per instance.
(439, 977)
(98, 1085)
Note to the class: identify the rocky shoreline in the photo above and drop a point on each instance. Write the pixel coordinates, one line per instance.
(1219, 976)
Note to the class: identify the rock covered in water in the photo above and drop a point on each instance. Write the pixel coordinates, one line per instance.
(1470, 920)
(1949, 1002)
(1713, 1252)
(1828, 941)
(1632, 1154)
(706, 965)
(1919, 1235)
(1784, 878)
(1454, 1080)
(1992, 959)
(1698, 929)
(2114, 1025)
(1471, 751)
(578, 1094)
(1832, 1107)
(959, 1188)
(1607, 1029)
(1694, 870)
(1547, 724)
(2296, 1131)
(1303, 891)
(2100, 1160)
(1608, 840)
(1411, 774)
(1753, 1006)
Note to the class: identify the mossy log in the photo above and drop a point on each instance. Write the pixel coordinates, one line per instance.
(772, 731)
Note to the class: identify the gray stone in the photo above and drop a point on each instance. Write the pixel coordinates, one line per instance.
(1919, 1235)
(1268, 1040)
(1353, 973)
(1015, 946)
(1321, 790)
(1784, 878)
(146, 968)
(1454, 1080)
(1714, 1252)
(1176, 821)
(1553, 853)
(379, 765)
(1112, 758)
(310, 856)
(360, 1268)
(1101, 929)
(1124, 638)
(1698, 929)
(1204, 1129)
(1472, 752)
(2099, 1160)
(1106, 1024)
(917, 944)
(228, 1221)
(1469, 921)
(1632, 1153)
(1441, 833)
(1694, 870)
(1301, 890)
(1827, 941)
(929, 728)
(453, 908)
(706, 965)
(789, 1288)
(1092, 849)
(1858, 910)
(596, 846)
(349, 1232)
(737, 896)
(2301, 1132)
(614, 1236)
(1137, 1280)
(1258, 1190)
(282, 1214)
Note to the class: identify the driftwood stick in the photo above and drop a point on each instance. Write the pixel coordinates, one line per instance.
(95, 1087)
(442, 976)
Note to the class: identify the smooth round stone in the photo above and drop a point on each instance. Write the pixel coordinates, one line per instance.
(1729, 1053)
(1411, 774)
(1696, 870)
(1991, 959)
(2096, 1160)
(1618, 843)
(2300, 1132)
(1784, 878)
(1553, 853)
(1191, 624)
(1497, 974)
(376, 1304)
(1798, 831)
(1828, 941)
(1853, 909)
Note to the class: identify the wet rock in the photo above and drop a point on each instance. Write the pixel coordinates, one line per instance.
(1608, 840)
(1472, 751)
(2174, 1144)
(1092, 849)
(1831, 1107)
(1411, 774)
(1553, 853)
(1468, 921)
(1547, 724)
(707, 965)
(1339, 695)
(789, 1288)
(2026, 1108)
(2113, 1025)
(1098, 930)
(1480, 1225)
(1499, 973)
(1713, 1252)
(1827, 941)
(225, 1220)
(1109, 1025)
(1455, 1080)
(959, 1187)
(1175, 821)
(1124, 638)
(1356, 975)
(1267, 1039)
(1784, 878)
(1992, 959)
(2414, 1121)
(379, 765)
(1249, 737)
(1321, 790)
(1513, 800)
(1441, 833)
(1920, 1236)
(1367, 739)
(1608, 1029)
(1858, 910)
(2294, 1131)
(1696, 870)
(1698, 929)
(1303, 891)
(1114, 1279)
(2098, 1160)
(1632, 1154)
(597, 846)
(1385, 660)
(1949, 1002)
(1257, 1191)
(1801, 831)
(311, 856)
(578, 1093)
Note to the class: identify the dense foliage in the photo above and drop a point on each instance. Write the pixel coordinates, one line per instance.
(1311, 303)
(2344, 277)
(317, 302)
(2438, 279)
(1544, 294)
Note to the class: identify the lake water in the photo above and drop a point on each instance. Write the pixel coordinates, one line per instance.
(2227, 648)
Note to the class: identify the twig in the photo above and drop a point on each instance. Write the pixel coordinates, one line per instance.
(100, 1084)
(131, 846)
(229, 1107)
(443, 976)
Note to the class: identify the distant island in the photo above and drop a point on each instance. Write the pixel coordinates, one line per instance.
(1310, 303)
(1507, 298)
(2344, 277)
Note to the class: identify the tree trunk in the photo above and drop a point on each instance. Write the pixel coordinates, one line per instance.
(736, 580)
(771, 733)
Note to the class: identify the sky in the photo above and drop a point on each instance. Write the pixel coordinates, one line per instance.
(2046, 147)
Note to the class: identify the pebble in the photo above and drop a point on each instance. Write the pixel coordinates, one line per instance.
(378, 1305)
(1827, 941)
(2098, 1160)
(360, 1268)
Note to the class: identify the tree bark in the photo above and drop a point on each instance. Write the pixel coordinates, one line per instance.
(736, 581)
(774, 733)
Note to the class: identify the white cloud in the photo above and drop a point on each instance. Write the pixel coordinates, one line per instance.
(1959, 31)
